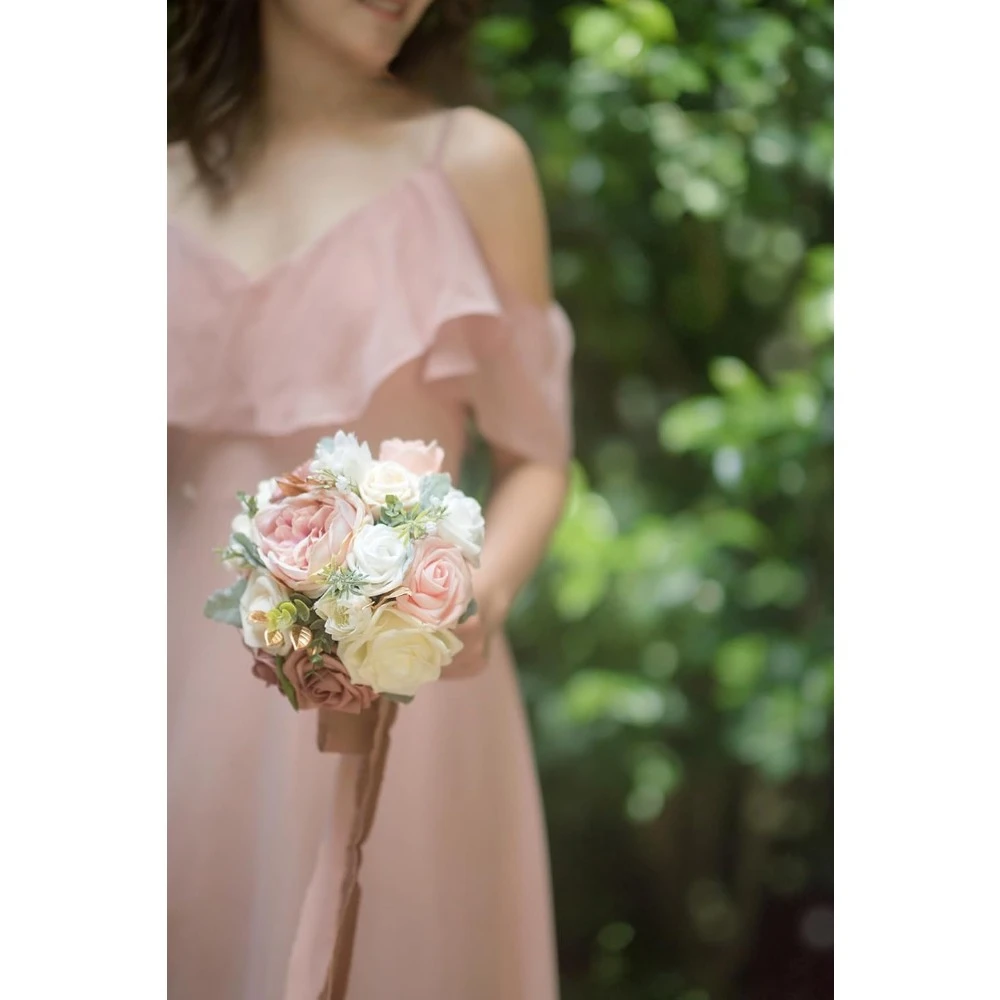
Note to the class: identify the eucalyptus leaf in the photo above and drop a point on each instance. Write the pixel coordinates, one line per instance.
(304, 611)
(224, 605)
(249, 550)
(249, 503)
(434, 488)
(469, 612)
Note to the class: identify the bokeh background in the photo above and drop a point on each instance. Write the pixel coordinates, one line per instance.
(676, 649)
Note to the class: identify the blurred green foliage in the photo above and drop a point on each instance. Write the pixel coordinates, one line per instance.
(682, 706)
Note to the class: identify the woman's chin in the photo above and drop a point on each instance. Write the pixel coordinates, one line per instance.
(376, 37)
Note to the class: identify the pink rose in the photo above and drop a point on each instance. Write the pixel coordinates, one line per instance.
(417, 457)
(303, 535)
(325, 685)
(439, 582)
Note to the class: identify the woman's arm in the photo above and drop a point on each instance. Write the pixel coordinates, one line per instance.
(494, 177)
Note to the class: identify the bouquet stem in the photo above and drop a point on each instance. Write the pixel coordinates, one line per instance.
(366, 800)
(346, 732)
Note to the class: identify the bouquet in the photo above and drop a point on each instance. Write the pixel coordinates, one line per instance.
(353, 573)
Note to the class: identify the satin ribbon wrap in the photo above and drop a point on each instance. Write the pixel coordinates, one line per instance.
(369, 783)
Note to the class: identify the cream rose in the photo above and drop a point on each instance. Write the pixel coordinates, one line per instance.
(263, 593)
(346, 615)
(381, 557)
(463, 525)
(385, 479)
(397, 654)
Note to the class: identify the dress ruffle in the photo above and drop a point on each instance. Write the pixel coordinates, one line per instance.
(400, 282)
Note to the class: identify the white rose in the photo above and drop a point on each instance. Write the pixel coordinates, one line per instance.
(263, 593)
(347, 615)
(342, 457)
(397, 654)
(463, 525)
(384, 479)
(380, 556)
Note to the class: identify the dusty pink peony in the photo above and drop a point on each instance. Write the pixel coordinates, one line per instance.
(325, 685)
(414, 456)
(439, 584)
(302, 535)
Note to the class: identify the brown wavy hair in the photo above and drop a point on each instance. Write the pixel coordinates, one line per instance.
(214, 71)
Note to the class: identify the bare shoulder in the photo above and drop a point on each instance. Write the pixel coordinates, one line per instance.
(483, 148)
(493, 173)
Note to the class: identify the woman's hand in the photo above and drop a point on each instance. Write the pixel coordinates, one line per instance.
(478, 631)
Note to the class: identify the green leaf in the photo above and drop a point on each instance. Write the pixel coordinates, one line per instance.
(595, 30)
(695, 423)
(250, 551)
(392, 513)
(735, 528)
(653, 19)
(249, 503)
(469, 612)
(224, 605)
(304, 611)
(739, 668)
(731, 375)
(594, 694)
(509, 35)
(285, 684)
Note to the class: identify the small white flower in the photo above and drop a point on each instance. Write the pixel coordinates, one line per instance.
(263, 593)
(385, 479)
(380, 556)
(463, 524)
(346, 616)
(266, 489)
(343, 458)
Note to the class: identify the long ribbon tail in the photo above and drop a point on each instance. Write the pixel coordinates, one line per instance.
(366, 800)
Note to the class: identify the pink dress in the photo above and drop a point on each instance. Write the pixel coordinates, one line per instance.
(390, 325)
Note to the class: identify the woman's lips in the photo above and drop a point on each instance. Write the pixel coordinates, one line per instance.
(388, 10)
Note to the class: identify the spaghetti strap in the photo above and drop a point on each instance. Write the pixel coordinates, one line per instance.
(442, 136)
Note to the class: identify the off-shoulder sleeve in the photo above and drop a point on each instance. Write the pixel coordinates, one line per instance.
(511, 359)
(519, 391)
(414, 289)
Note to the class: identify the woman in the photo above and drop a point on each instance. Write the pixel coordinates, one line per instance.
(343, 253)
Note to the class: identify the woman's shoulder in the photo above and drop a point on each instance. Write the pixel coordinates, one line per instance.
(482, 148)
(493, 174)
